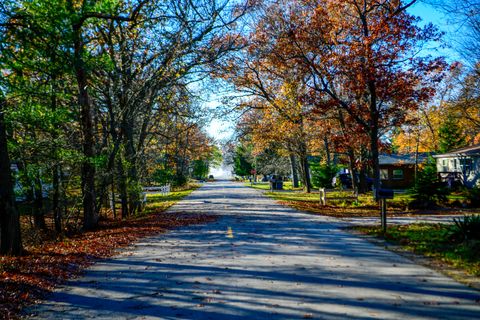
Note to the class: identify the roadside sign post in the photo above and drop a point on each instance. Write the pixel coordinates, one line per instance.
(383, 195)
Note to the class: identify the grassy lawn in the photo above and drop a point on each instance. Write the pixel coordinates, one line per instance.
(365, 206)
(287, 185)
(157, 202)
(434, 241)
(339, 208)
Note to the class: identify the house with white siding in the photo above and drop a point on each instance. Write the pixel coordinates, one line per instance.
(461, 166)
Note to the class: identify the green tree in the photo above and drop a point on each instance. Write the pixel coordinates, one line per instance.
(212, 159)
(428, 189)
(322, 174)
(200, 169)
(450, 135)
(242, 161)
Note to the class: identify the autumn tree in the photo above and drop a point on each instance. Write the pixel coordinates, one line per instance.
(359, 56)
(277, 94)
(280, 121)
(452, 115)
(465, 105)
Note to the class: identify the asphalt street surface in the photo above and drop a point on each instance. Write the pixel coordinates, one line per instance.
(259, 260)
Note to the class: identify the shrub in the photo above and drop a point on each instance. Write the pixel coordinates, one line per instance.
(322, 175)
(163, 176)
(466, 229)
(473, 196)
(428, 189)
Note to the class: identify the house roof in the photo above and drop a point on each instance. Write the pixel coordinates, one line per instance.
(467, 151)
(399, 159)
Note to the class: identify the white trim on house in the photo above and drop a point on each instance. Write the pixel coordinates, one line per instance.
(462, 165)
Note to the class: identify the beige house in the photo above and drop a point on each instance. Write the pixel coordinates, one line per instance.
(461, 166)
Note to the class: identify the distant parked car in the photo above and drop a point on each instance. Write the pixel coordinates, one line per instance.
(344, 180)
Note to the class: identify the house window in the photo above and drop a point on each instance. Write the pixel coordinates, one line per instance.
(445, 164)
(383, 174)
(398, 174)
(466, 164)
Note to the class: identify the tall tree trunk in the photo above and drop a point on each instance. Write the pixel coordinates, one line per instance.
(122, 188)
(113, 200)
(293, 166)
(327, 150)
(350, 152)
(38, 213)
(90, 215)
(375, 163)
(351, 166)
(132, 173)
(306, 170)
(10, 236)
(373, 132)
(57, 210)
(417, 144)
(305, 173)
(363, 186)
(56, 169)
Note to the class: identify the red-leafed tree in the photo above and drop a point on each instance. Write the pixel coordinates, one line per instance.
(359, 56)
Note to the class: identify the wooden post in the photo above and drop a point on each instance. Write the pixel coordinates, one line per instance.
(323, 197)
(383, 203)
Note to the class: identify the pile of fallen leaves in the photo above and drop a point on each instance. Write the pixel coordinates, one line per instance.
(332, 210)
(366, 211)
(28, 278)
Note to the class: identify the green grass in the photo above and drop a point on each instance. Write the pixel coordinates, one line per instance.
(435, 241)
(287, 185)
(158, 201)
(364, 200)
(294, 196)
(399, 202)
(365, 206)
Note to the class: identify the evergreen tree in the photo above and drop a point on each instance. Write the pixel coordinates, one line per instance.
(242, 163)
(428, 189)
(322, 174)
(450, 134)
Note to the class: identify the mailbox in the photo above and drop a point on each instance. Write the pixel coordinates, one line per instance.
(385, 194)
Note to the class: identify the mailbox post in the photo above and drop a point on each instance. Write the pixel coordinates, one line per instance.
(383, 195)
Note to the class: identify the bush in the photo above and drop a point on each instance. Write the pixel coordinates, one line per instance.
(473, 196)
(163, 176)
(428, 189)
(466, 229)
(322, 175)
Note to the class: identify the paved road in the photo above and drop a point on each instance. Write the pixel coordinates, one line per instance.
(258, 261)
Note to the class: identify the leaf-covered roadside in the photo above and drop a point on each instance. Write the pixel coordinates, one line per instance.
(25, 279)
(434, 241)
(365, 207)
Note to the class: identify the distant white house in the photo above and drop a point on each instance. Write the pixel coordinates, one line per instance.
(460, 166)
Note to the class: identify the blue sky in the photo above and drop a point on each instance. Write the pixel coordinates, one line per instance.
(428, 14)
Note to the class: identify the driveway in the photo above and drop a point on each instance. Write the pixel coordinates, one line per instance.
(260, 260)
